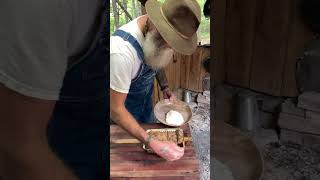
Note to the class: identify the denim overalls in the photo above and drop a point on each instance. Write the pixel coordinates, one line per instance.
(139, 98)
(78, 131)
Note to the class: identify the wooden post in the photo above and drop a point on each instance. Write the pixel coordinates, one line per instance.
(115, 14)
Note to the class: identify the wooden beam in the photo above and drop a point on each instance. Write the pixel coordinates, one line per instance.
(218, 38)
(270, 45)
(309, 101)
(299, 35)
(298, 123)
(239, 39)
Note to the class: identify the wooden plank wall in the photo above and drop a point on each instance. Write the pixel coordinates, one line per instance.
(272, 26)
(299, 35)
(192, 71)
(239, 38)
(217, 27)
(256, 44)
(184, 72)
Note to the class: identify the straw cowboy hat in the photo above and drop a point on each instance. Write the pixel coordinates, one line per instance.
(177, 21)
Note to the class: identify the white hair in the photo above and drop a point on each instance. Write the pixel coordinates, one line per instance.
(156, 56)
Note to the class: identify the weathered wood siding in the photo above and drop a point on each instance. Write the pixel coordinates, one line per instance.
(256, 44)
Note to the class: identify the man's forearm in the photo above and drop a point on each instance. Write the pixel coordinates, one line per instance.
(162, 79)
(123, 118)
(24, 150)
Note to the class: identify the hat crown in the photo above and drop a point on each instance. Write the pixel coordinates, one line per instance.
(184, 16)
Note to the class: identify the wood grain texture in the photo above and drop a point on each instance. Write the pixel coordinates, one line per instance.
(309, 101)
(299, 35)
(217, 28)
(298, 123)
(169, 71)
(130, 161)
(270, 45)
(184, 72)
(185, 66)
(240, 33)
(299, 138)
(313, 115)
(268, 33)
(194, 70)
(206, 52)
(176, 71)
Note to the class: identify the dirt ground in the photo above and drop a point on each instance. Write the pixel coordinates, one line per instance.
(200, 129)
(289, 161)
(286, 160)
(221, 171)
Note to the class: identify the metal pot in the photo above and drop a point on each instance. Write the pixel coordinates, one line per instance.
(247, 111)
(187, 96)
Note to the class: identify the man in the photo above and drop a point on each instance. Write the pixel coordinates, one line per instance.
(138, 50)
(53, 74)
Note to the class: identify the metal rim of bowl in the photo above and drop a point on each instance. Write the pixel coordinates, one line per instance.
(168, 102)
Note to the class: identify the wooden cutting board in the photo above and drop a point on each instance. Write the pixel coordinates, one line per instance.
(131, 161)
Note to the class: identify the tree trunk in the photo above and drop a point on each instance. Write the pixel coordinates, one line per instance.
(138, 9)
(124, 2)
(133, 9)
(115, 14)
(127, 15)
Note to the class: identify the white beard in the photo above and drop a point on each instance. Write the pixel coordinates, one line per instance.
(155, 56)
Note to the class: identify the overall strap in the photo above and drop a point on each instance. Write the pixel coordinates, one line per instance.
(128, 37)
(103, 24)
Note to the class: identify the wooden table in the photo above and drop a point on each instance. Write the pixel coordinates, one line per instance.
(130, 161)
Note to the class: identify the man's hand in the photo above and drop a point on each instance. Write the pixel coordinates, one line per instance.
(164, 86)
(167, 150)
(168, 94)
(121, 116)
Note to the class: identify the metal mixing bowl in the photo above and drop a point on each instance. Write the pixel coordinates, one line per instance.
(164, 106)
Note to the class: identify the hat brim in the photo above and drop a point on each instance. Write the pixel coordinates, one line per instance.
(178, 43)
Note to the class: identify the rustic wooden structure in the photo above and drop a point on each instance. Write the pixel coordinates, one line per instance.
(300, 122)
(257, 43)
(185, 72)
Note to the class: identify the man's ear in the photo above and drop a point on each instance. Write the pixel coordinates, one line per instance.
(147, 27)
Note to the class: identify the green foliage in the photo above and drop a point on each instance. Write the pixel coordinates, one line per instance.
(122, 19)
(203, 31)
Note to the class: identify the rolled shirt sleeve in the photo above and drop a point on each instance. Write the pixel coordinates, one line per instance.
(120, 72)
